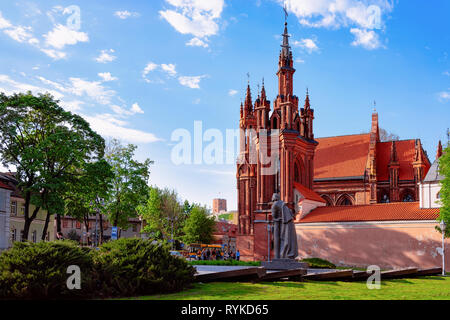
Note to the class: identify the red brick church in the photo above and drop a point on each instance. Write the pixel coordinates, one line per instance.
(335, 171)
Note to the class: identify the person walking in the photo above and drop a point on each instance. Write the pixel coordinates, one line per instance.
(238, 255)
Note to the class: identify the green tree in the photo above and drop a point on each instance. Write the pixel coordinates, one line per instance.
(129, 186)
(199, 226)
(87, 191)
(444, 169)
(164, 215)
(44, 143)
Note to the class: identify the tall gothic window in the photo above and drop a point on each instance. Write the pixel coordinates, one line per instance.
(345, 201)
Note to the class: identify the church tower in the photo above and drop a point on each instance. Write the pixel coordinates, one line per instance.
(285, 136)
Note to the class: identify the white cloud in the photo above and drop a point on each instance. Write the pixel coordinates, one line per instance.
(72, 106)
(20, 33)
(368, 39)
(106, 76)
(4, 23)
(169, 69)
(135, 108)
(108, 126)
(196, 42)
(446, 73)
(232, 92)
(61, 36)
(10, 86)
(444, 96)
(363, 15)
(105, 56)
(195, 17)
(54, 54)
(93, 89)
(298, 60)
(125, 14)
(190, 82)
(308, 44)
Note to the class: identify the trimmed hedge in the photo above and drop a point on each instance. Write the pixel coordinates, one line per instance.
(130, 267)
(39, 270)
(123, 267)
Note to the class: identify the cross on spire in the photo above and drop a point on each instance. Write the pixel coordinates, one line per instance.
(286, 14)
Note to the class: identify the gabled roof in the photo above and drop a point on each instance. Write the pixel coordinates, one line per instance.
(433, 173)
(342, 156)
(405, 152)
(374, 212)
(308, 193)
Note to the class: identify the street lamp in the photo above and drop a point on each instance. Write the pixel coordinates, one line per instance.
(443, 227)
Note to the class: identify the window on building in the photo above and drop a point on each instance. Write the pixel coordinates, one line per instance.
(134, 227)
(438, 195)
(78, 225)
(408, 197)
(34, 236)
(345, 201)
(384, 198)
(13, 234)
(22, 210)
(65, 223)
(14, 208)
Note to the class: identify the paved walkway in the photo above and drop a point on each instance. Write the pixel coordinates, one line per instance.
(205, 269)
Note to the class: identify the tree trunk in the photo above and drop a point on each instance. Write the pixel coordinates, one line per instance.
(44, 231)
(58, 223)
(101, 229)
(86, 226)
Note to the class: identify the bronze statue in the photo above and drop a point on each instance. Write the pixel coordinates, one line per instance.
(284, 235)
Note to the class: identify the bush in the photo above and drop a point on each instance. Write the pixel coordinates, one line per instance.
(128, 267)
(39, 270)
(319, 263)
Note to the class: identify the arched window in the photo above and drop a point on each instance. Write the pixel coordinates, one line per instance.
(274, 123)
(438, 195)
(408, 196)
(345, 200)
(328, 200)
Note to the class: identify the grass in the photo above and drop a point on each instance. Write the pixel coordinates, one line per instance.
(425, 288)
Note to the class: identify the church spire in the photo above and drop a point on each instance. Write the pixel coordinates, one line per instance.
(439, 150)
(263, 91)
(248, 100)
(307, 103)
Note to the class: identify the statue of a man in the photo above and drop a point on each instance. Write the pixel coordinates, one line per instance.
(284, 235)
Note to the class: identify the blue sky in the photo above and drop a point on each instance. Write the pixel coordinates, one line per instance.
(138, 70)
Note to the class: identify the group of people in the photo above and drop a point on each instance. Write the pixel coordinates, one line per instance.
(217, 254)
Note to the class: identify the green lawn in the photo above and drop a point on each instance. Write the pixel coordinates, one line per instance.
(405, 289)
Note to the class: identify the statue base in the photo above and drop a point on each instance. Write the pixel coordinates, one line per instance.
(284, 264)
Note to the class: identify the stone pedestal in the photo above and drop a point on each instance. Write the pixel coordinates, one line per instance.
(284, 264)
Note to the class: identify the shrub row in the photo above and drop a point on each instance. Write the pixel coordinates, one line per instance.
(125, 267)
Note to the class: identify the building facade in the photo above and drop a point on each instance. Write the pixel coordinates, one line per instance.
(348, 181)
(219, 205)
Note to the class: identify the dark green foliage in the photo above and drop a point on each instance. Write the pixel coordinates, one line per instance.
(444, 169)
(39, 270)
(130, 267)
(225, 263)
(319, 263)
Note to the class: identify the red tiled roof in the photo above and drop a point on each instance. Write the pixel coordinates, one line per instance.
(406, 150)
(222, 228)
(308, 193)
(374, 212)
(343, 156)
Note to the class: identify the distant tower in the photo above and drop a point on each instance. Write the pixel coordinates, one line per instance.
(219, 205)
